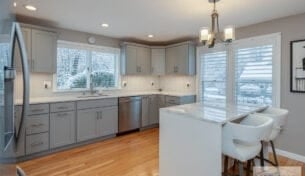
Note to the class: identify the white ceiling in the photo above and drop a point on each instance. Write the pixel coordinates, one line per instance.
(165, 19)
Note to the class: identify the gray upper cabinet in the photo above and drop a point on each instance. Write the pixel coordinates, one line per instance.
(43, 51)
(158, 61)
(180, 59)
(62, 129)
(135, 60)
(27, 36)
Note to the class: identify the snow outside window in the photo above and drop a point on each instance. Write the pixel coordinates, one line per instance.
(79, 64)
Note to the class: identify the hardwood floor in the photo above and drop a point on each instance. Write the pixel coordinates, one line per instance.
(135, 154)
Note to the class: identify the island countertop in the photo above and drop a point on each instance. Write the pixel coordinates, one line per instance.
(214, 113)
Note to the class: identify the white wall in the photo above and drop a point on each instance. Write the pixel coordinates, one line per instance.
(178, 83)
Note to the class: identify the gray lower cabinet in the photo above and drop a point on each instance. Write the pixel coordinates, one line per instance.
(96, 122)
(87, 124)
(108, 122)
(145, 111)
(62, 129)
(150, 108)
(153, 109)
(37, 143)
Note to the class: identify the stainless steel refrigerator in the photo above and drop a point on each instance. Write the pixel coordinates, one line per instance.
(11, 40)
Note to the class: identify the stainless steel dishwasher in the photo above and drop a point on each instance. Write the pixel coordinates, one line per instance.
(130, 110)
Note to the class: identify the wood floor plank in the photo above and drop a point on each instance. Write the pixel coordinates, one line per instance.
(134, 154)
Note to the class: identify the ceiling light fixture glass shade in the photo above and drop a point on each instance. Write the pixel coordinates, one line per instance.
(211, 36)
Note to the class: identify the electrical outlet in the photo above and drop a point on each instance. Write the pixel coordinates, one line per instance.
(47, 84)
(188, 84)
(124, 83)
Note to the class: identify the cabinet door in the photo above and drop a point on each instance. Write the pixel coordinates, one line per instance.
(170, 60)
(131, 60)
(27, 36)
(108, 121)
(145, 111)
(153, 110)
(43, 51)
(87, 124)
(143, 60)
(62, 129)
(158, 61)
(182, 59)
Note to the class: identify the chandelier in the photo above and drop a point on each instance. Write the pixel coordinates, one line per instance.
(209, 38)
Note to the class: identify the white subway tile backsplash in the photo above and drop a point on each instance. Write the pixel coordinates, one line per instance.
(133, 83)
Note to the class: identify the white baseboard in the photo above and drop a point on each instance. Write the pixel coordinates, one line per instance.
(289, 155)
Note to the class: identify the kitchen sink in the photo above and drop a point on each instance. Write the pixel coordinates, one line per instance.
(93, 95)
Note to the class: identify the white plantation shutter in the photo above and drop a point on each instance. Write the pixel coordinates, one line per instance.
(246, 72)
(253, 75)
(213, 77)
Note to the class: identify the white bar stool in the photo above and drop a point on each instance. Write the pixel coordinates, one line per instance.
(279, 117)
(242, 141)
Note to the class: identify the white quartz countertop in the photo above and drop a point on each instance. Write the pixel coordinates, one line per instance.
(66, 98)
(213, 113)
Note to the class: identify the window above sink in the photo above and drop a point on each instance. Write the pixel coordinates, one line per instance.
(80, 64)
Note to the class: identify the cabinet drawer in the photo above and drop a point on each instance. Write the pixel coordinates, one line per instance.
(172, 100)
(38, 109)
(37, 143)
(59, 107)
(37, 124)
(97, 103)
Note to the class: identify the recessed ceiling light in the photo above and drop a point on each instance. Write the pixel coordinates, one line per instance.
(30, 7)
(150, 36)
(105, 25)
(15, 4)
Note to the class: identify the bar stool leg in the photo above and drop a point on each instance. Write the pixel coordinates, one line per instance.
(241, 168)
(262, 156)
(274, 153)
(248, 167)
(225, 170)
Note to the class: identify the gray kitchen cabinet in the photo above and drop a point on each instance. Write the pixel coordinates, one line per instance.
(145, 111)
(37, 124)
(158, 61)
(135, 59)
(180, 59)
(153, 109)
(27, 37)
(87, 127)
(62, 129)
(174, 101)
(37, 143)
(44, 47)
(108, 121)
(97, 122)
(144, 60)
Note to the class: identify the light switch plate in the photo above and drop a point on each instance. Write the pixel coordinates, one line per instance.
(47, 84)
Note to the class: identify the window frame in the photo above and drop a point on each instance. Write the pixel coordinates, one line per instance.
(91, 48)
(273, 39)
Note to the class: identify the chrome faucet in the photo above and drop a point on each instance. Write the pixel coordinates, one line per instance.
(92, 91)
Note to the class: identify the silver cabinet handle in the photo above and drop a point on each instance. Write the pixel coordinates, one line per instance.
(37, 125)
(37, 110)
(63, 107)
(36, 144)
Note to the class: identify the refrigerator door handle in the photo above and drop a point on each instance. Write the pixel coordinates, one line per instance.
(25, 72)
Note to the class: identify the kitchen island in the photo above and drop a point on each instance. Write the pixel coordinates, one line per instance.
(191, 137)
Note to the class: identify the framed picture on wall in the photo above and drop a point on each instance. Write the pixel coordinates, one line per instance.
(297, 75)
